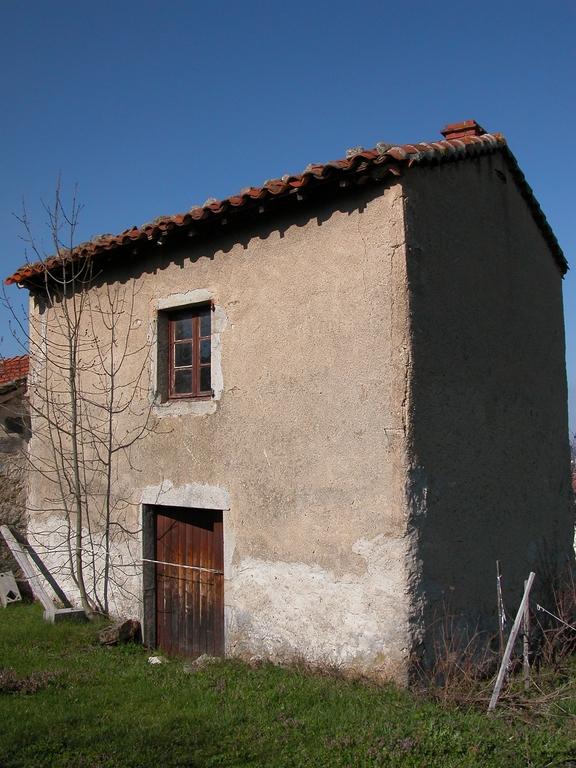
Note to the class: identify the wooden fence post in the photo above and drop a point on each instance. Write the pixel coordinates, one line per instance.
(526, 643)
(511, 640)
(500, 604)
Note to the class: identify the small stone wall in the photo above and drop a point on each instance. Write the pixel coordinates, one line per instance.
(14, 433)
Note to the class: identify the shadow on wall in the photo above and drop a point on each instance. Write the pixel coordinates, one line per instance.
(148, 257)
(14, 436)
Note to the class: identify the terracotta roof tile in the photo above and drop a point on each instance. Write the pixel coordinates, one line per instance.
(13, 369)
(463, 140)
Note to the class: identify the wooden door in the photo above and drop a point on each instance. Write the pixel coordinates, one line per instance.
(189, 581)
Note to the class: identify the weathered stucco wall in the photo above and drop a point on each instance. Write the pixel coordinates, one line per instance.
(489, 439)
(307, 436)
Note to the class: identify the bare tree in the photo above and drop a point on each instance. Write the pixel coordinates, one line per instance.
(86, 372)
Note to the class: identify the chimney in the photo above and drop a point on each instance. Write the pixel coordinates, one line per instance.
(459, 130)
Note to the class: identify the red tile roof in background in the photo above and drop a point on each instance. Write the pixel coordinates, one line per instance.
(463, 140)
(13, 369)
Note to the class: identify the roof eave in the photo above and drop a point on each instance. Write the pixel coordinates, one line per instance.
(362, 167)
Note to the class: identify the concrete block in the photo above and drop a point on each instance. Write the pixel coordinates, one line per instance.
(9, 592)
(65, 614)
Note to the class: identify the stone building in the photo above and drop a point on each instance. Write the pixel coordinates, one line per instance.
(344, 400)
(14, 435)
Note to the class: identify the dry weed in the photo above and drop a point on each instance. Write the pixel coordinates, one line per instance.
(459, 666)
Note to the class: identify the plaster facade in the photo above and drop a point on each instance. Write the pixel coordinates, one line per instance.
(388, 415)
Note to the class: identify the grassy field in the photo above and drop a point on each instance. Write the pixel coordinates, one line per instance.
(67, 701)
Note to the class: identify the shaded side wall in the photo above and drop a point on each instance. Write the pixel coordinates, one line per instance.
(490, 463)
(307, 438)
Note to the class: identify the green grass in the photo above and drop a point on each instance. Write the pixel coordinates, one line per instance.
(67, 701)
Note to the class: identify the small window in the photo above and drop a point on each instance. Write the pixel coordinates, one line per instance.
(190, 353)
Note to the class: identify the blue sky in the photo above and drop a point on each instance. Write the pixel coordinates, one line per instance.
(153, 107)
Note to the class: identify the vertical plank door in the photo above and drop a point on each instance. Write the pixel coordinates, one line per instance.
(189, 600)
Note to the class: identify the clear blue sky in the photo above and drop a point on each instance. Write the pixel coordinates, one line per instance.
(152, 107)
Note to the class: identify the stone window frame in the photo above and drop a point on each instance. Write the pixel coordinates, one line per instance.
(162, 405)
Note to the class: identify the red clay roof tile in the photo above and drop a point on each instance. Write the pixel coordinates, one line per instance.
(13, 369)
(463, 140)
